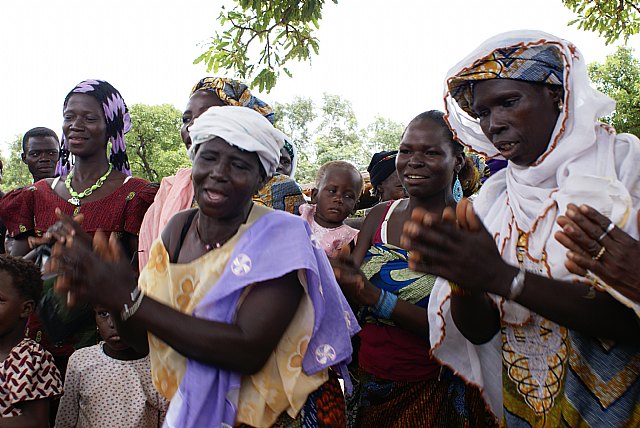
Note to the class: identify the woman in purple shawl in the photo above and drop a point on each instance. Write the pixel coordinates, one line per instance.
(238, 335)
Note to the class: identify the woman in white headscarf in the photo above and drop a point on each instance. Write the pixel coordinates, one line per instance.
(238, 335)
(506, 313)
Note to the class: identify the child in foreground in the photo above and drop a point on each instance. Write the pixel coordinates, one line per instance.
(29, 379)
(338, 188)
(109, 385)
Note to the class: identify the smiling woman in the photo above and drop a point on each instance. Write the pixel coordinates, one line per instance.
(97, 187)
(400, 384)
(224, 311)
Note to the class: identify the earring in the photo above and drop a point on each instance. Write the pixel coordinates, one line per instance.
(560, 104)
(457, 189)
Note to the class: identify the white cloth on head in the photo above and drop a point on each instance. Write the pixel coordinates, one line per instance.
(585, 163)
(240, 127)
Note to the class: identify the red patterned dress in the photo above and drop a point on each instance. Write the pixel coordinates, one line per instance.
(28, 373)
(31, 211)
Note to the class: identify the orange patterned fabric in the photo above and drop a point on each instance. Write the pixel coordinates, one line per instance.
(28, 373)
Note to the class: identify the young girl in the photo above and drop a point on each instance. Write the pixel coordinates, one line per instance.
(338, 188)
(28, 377)
(109, 384)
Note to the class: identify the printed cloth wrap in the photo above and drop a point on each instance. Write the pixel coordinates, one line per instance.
(234, 93)
(565, 374)
(333, 324)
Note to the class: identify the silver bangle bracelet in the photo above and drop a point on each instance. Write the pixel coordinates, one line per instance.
(517, 285)
(136, 299)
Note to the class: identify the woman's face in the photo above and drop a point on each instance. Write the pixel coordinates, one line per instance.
(225, 178)
(285, 165)
(391, 188)
(426, 163)
(517, 117)
(84, 125)
(197, 104)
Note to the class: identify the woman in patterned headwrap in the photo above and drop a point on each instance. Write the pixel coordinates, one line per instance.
(101, 189)
(547, 348)
(176, 192)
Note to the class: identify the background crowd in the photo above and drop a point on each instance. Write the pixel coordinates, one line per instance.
(491, 281)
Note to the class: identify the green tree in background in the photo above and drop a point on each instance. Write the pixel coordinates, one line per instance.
(296, 120)
(15, 172)
(611, 19)
(619, 77)
(339, 137)
(384, 134)
(154, 145)
(331, 132)
(282, 29)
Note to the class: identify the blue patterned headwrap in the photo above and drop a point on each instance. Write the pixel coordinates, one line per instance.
(118, 122)
(541, 63)
(234, 93)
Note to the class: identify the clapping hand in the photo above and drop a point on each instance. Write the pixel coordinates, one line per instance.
(93, 271)
(455, 246)
(596, 245)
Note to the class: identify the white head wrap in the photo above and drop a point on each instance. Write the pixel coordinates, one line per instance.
(240, 127)
(585, 163)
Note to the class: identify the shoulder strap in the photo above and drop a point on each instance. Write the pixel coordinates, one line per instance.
(55, 182)
(183, 234)
(383, 227)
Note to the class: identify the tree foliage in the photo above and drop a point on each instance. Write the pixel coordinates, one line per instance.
(283, 30)
(15, 172)
(296, 120)
(611, 19)
(331, 132)
(619, 77)
(154, 145)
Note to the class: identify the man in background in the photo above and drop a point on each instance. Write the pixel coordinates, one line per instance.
(40, 152)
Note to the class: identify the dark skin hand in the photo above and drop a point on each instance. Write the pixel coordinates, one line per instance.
(441, 243)
(581, 228)
(361, 292)
(35, 414)
(104, 277)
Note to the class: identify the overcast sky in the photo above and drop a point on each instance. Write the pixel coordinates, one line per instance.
(388, 58)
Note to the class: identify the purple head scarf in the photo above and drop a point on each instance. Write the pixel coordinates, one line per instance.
(117, 119)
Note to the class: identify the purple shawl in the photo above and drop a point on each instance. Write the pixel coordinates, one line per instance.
(276, 244)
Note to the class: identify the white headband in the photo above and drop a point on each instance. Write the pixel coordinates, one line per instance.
(240, 127)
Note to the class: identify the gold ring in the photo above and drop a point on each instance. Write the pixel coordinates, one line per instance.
(600, 253)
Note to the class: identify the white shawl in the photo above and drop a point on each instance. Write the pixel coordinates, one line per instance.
(585, 163)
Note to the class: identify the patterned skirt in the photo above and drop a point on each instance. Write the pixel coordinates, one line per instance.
(443, 402)
(324, 408)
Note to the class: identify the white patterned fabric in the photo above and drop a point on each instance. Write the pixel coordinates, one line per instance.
(101, 391)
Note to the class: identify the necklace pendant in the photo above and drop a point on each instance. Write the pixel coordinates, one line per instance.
(74, 200)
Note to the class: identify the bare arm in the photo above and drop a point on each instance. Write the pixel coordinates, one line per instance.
(442, 246)
(360, 291)
(35, 414)
(243, 346)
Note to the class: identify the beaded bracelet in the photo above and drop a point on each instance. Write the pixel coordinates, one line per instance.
(385, 306)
